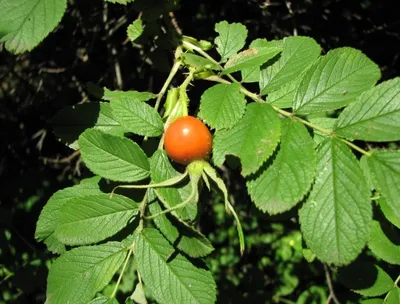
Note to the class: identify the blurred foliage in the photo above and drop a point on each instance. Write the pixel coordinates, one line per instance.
(90, 45)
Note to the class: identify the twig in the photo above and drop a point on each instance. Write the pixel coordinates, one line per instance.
(175, 23)
(52, 70)
(332, 295)
(64, 160)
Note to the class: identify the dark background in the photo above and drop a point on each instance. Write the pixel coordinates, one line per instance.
(85, 47)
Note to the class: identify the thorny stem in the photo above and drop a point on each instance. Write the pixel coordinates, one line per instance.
(258, 98)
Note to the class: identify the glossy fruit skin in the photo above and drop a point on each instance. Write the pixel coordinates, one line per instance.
(187, 139)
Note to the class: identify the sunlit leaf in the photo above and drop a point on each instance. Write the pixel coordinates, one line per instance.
(24, 24)
(93, 218)
(335, 80)
(222, 105)
(78, 274)
(169, 276)
(112, 157)
(282, 185)
(336, 218)
(231, 39)
(374, 116)
(385, 173)
(252, 139)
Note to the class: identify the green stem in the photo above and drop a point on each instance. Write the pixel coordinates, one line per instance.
(122, 273)
(239, 228)
(179, 106)
(193, 195)
(170, 182)
(290, 115)
(397, 281)
(171, 75)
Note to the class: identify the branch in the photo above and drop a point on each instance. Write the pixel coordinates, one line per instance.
(332, 295)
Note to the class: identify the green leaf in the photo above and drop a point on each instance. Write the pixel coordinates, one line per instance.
(162, 170)
(71, 121)
(179, 234)
(198, 61)
(374, 116)
(222, 105)
(169, 276)
(283, 98)
(335, 80)
(107, 122)
(382, 246)
(282, 185)
(297, 55)
(138, 296)
(326, 123)
(393, 297)
(336, 218)
(313, 295)
(250, 58)
(391, 214)
(135, 30)
(90, 219)
(24, 24)
(385, 172)
(137, 117)
(252, 74)
(103, 300)
(49, 218)
(129, 95)
(252, 139)
(78, 274)
(366, 279)
(113, 157)
(231, 39)
(372, 301)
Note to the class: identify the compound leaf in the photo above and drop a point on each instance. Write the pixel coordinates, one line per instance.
(90, 219)
(231, 38)
(252, 139)
(287, 180)
(297, 55)
(78, 274)
(374, 116)
(24, 24)
(116, 158)
(336, 218)
(222, 105)
(137, 117)
(335, 80)
(169, 276)
(385, 173)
